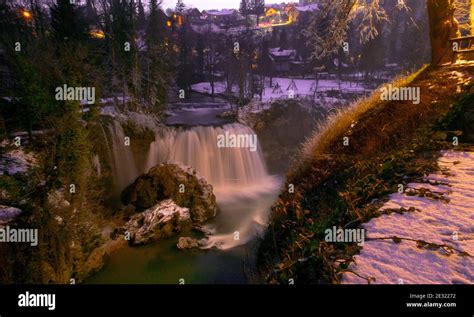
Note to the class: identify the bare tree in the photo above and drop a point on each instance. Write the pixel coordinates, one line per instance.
(211, 60)
(328, 29)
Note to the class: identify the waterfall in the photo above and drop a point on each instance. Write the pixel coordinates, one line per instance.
(123, 166)
(96, 164)
(234, 167)
(242, 186)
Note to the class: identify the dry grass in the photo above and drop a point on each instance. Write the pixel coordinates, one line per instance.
(338, 124)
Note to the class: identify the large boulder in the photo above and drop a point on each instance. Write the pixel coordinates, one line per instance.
(179, 183)
(188, 243)
(158, 222)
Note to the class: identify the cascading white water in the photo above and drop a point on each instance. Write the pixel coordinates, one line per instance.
(243, 188)
(197, 147)
(124, 168)
(96, 164)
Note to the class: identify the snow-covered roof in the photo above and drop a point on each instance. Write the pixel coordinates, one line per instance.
(272, 5)
(308, 7)
(277, 52)
(222, 12)
(191, 10)
(213, 28)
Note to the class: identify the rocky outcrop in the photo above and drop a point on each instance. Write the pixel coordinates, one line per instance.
(185, 243)
(281, 127)
(179, 183)
(96, 260)
(56, 200)
(158, 222)
(80, 265)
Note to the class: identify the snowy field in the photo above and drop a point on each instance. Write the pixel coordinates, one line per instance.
(448, 222)
(282, 88)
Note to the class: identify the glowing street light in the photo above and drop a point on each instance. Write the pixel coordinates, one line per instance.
(98, 34)
(26, 14)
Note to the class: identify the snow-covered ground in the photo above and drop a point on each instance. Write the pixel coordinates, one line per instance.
(140, 120)
(284, 88)
(205, 87)
(447, 222)
(8, 213)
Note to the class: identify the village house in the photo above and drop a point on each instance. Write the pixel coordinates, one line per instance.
(283, 60)
(224, 17)
(274, 14)
(288, 13)
(193, 15)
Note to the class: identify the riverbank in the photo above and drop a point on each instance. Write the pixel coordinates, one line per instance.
(350, 166)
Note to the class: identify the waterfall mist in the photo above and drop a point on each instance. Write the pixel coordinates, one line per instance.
(124, 169)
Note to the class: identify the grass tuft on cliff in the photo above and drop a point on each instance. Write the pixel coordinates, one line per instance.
(341, 121)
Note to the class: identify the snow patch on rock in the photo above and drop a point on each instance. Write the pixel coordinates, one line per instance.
(7, 213)
(16, 162)
(160, 221)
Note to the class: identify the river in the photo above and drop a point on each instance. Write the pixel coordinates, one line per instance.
(244, 192)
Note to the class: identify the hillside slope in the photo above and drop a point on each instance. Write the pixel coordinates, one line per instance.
(348, 168)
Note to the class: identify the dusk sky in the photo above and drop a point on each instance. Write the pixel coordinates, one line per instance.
(210, 4)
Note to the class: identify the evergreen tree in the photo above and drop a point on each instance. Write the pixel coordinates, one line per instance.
(67, 22)
(141, 18)
(257, 8)
(244, 8)
(184, 75)
(180, 7)
(156, 70)
(155, 31)
(124, 51)
(200, 57)
(372, 56)
(91, 13)
(264, 60)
